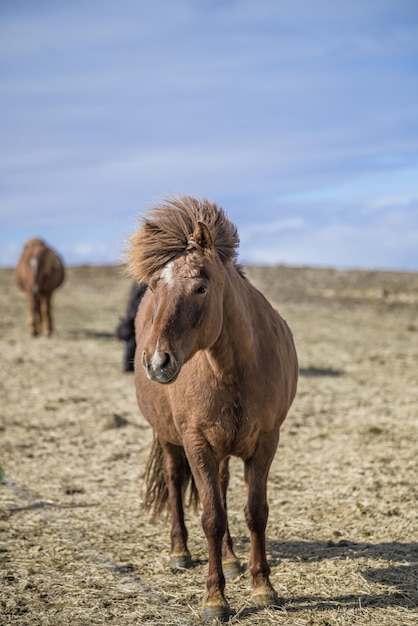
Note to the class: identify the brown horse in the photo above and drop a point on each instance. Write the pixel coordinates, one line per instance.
(216, 372)
(39, 272)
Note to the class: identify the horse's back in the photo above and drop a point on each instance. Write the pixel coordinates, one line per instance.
(270, 361)
(277, 354)
(53, 271)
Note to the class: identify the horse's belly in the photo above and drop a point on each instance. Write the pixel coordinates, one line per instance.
(245, 444)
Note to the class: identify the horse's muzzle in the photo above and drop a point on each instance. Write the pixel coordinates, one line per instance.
(162, 367)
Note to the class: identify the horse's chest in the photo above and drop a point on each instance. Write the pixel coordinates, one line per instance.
(223, 415)
(233, 431)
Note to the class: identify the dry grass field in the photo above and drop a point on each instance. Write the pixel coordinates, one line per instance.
(77, 547)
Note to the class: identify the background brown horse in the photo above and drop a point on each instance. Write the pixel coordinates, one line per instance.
(216, 372)
(39, 272)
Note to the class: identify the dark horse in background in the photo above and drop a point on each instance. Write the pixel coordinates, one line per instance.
(216, 373)
(125, 330)
(38, 273)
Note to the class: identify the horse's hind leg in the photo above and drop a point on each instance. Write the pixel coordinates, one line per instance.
(256, 514)
(230, 563)
(174, 475)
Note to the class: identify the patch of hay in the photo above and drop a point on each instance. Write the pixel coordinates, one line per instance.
(77, 546)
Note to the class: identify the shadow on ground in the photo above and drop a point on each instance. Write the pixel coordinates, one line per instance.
(313, 372)
(401, 580)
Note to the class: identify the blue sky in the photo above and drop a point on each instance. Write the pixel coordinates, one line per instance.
(300, 117)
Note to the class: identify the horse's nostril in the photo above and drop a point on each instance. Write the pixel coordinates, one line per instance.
(144, 360)
(166, 361)
(162, 366)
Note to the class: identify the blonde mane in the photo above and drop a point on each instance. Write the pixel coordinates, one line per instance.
(166, 231)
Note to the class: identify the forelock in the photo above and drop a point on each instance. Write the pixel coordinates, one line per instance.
(166, 230)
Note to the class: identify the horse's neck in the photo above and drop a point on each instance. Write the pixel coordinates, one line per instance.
(235, 342)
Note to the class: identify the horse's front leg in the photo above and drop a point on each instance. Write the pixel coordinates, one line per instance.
(205, 470)
(46, 315)
(174, 469)
(34, 315)
(256, 515)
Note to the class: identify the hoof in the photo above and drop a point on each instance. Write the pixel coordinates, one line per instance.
(231, 568)
(181, 561)
(215, 613)
(266, 596)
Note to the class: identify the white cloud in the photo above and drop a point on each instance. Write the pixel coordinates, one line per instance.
(378, 241)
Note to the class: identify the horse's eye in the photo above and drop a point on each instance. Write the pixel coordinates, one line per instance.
(200, 290)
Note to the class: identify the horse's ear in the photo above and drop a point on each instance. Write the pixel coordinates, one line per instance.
(202, 236)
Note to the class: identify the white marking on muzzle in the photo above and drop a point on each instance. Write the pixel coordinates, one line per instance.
(156, 359)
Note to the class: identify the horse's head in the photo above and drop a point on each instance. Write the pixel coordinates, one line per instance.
(186, 310)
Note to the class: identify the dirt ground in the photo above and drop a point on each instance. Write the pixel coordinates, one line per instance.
(77, 547)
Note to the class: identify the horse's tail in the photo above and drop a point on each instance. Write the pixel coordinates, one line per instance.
(156, 494)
